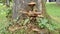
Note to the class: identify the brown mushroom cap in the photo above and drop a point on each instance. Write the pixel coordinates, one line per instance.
(31, 3)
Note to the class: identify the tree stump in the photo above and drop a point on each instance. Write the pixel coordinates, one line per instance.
(27, 11)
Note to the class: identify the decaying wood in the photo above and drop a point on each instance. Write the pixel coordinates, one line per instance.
(21, 5)
(24, 8)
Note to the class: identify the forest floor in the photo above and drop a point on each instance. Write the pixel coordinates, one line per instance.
(52, 9)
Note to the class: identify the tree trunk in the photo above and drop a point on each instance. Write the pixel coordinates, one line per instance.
(44, 11)
(22, 5)
(16, 7)
(7, 3)
(58, 2)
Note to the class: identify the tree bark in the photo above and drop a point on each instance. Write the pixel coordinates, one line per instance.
(20, 5)
(7, 3)
(16, 6)
(45, 13)
(58, 2)
(23, 5)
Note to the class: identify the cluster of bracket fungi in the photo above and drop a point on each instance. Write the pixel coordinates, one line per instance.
(32, 13)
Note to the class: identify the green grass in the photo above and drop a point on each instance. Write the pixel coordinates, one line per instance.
(3, 20)
(53, 9)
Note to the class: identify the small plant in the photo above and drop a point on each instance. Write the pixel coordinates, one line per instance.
(43, 23)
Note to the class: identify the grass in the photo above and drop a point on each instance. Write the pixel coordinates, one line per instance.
(53, 9)
(3, 20)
